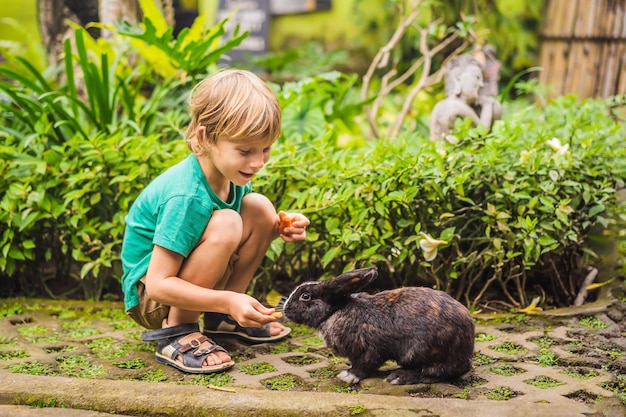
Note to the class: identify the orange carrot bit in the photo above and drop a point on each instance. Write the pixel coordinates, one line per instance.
(285, 221)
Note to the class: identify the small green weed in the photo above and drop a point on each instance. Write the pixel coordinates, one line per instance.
(31, 368)
(506, 370)
(326, 372)
(463, 395)
(282, 347)
(136, 363)
(546, 358)
(107, 348)
(509, 348)
(593, 323)
(580, 373)
(284, 382)
(480, 359)
(8, 310)
(257, 368)
(13, 354)
(298, 330)
(8, 341)
(543, 341)
(356, 410)
(313, 341)
(219, 379)
(544, 382)
(80, 367)
(500, 393)
(32, 331)
(484, 337)
(301, 360)
(154, 376)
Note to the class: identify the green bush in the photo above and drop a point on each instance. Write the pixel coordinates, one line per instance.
(513, 212)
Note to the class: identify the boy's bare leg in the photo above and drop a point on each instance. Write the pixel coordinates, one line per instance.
(206, 265)
(259, 229)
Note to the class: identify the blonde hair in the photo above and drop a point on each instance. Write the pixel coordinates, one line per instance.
(232, 103)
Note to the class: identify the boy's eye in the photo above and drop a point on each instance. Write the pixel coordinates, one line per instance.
(267, 150)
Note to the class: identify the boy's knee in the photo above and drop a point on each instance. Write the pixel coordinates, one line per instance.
(258, 204)
(224, 226)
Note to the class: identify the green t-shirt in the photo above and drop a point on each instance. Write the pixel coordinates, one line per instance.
(172, 212)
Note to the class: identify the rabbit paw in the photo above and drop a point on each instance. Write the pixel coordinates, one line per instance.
(348, 377)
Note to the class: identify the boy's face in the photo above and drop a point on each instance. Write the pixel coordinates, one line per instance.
(238, 161)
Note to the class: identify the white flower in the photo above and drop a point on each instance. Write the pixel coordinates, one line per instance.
(429, 245)
(559, 150)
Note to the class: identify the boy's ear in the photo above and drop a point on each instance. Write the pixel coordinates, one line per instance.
(351, 281)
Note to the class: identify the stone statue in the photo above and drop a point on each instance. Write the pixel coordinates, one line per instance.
(463, 84)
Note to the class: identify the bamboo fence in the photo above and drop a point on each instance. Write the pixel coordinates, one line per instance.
(583, 47)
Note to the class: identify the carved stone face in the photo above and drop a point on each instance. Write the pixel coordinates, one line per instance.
(470, 82)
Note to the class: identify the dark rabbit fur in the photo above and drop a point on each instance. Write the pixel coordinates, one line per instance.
(427, 332)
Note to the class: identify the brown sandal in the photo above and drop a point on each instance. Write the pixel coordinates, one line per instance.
(170, 350)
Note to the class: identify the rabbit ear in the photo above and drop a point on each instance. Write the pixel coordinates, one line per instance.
(351, 281)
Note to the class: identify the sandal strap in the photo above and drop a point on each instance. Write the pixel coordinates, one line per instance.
(168, 332)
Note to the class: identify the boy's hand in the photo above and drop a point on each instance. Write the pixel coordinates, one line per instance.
(249, 312)
(292, 226)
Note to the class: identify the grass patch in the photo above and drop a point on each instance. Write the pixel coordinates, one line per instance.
(313, 341)
(218, 379)
(356, 410)
(484, 337)
(257, 368)
(580, 373)
(32, 331)
(593, 323)
(617, 387)
(286, 382)
(506, 370)
(543, 341)
(131, 364)
(500, 394)
(301, 360)
(463, 395)
(298, 330)
(546, 358)
(509, 348)
(80, 367)
(107, 348)
(156, 375)
(543, 382)
(480, 359)
(13, 354)
(31, 368)
(8, 310)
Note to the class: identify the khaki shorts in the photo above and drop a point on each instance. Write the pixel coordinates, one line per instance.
(150, 314)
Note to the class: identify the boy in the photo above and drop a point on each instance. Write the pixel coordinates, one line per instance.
(196, 235)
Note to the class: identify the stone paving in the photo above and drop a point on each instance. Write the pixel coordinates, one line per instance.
(89, 356)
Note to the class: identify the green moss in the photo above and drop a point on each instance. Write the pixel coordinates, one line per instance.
(154, 376)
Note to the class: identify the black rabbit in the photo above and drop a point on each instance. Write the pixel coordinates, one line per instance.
(425, 331)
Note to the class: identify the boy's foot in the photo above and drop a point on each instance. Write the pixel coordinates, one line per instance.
(218, 324)
(188, 350)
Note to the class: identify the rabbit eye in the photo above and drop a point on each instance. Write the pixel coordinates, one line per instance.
(305, 297)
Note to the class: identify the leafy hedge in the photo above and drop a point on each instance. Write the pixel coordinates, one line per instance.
(514, 207)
